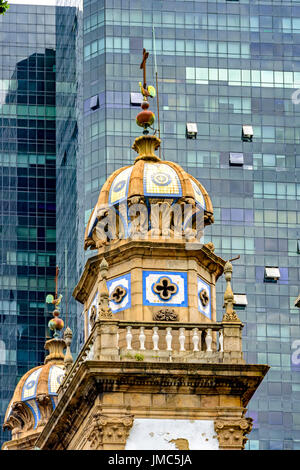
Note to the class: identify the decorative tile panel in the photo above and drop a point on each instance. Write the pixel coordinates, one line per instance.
(161, 180)
(204, 298)
(120, 293)
(32, 404)
(199, 198)
(56, 374)
(165, 288)
(30, 385)
(119, 188)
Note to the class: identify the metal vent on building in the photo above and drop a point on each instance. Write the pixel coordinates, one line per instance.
(136, 99)
(272, 273)
(240, 300)
(191, 130)
(236, 159)
(94, 102)
(247, 133)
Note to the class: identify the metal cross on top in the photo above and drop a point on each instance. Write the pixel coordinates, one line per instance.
(143, 66)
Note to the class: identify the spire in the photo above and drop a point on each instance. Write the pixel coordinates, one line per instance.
(104, 311)
(146, 144)
(230, 314)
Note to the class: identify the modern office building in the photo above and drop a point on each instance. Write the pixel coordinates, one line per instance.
(228, 74)
(221, 65)
(27, 165)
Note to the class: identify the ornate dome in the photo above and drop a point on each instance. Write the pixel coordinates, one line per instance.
(148, 181)
(35, 396)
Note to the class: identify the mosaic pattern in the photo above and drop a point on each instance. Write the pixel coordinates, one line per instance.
(204, 298)
(32, 404)
(56, 374)
(119, 188)
(123, 282)
(198, 194)
(161, 180)
(29, 387)
(178, 296)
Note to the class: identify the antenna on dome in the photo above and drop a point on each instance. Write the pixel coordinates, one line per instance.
(156, 82)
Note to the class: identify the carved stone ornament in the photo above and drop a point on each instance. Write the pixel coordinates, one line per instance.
(93, 316)
(166, 314)
(109, 432)
(231, 433)
(204, 297)
(118, 294)
(165, 288)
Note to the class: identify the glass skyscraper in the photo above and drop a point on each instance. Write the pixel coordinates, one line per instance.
(221, 65)
(27, 193)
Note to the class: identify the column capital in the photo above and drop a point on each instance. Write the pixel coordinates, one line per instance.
(231, 432)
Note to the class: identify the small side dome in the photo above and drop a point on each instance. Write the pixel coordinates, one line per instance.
(35, 396)
(148, 181)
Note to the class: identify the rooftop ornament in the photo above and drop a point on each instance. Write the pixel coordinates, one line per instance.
(146, 117)
(55, 324)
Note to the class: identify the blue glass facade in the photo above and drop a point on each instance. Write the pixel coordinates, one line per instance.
(222, 65)
(69, 172)
(27, 194)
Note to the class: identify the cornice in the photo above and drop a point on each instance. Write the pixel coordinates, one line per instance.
(93, 378)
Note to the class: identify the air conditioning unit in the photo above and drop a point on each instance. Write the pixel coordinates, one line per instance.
(236, 159)
(272, 273)
(191, 130)
(94, 102)
(136, 99)
(240, 300)
(247, 133)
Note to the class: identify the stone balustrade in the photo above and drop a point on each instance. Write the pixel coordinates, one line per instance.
(119, 340)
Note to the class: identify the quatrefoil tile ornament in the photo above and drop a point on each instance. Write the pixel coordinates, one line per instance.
(204, 298)
(119, 293)
(165, 288)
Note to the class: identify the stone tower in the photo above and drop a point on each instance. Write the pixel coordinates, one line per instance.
(157, 371)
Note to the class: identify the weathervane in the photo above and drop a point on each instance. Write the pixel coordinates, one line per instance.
(55, 324)
(146, 117)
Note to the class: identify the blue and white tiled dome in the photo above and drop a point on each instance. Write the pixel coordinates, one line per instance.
(150, 178)
(35, 395)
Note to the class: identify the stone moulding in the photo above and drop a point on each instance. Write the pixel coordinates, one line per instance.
(93, 378)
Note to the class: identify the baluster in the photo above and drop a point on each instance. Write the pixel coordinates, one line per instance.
(155, 338)
(142, 338)
(196, 339)
(181, 338)
(169, 339)
(118, 338)
(208, 340)
(221, 341)
(129, 337)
